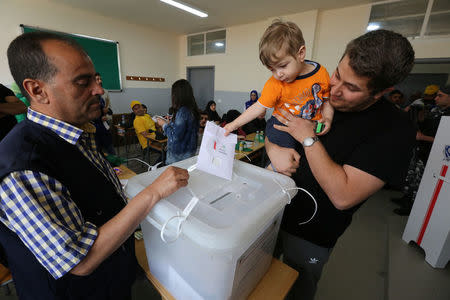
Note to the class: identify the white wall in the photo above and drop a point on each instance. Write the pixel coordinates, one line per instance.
(431, 47)
(143, 50)
(335, 28)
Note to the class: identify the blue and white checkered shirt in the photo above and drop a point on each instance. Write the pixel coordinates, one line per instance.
(39, 209)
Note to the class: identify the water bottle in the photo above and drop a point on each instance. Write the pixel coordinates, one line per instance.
(261, 137)
(256, 139)
(123, 121)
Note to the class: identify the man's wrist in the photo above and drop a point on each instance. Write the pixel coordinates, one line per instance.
(309, 141)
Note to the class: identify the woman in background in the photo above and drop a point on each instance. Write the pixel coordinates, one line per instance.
(182, 130)
(212, 113)
(253, 99)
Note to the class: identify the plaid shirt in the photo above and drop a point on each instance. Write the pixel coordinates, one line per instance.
(39, 209)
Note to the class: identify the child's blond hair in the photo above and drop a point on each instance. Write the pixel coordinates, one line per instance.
(279, 35)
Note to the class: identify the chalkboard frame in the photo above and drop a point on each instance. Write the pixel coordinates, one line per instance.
(82, 36)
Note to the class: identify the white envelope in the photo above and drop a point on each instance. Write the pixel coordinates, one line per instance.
(216, 154)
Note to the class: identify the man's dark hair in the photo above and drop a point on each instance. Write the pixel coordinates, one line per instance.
(384, 56)
(396, 92)
(27, 59)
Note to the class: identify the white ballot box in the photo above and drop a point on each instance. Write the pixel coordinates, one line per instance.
(429, 222)
(224, 246)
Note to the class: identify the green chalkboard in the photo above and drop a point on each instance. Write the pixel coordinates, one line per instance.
(104, 55)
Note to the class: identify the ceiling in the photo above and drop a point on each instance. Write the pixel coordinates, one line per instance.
(222, 14)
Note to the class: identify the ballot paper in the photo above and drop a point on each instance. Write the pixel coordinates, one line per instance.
(216, 154)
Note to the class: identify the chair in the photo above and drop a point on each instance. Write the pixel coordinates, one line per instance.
(5, 278)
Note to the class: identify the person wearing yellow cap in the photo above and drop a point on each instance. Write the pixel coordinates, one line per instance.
(143, 124)
(431, 90)
(428, 96)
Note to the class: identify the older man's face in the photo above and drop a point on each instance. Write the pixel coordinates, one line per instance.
(73, 91)
(349, 91)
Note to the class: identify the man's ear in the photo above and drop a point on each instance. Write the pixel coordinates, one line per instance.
(380, 94)
(301, 53)
(36, 91)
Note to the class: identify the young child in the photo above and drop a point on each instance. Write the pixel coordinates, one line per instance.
(297, 85)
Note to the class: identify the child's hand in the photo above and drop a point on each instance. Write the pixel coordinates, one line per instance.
(229, 128)
(327, 124)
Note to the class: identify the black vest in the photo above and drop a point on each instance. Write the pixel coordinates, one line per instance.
(30, 146)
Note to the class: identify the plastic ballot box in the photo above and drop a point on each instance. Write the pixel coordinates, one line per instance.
(429, 222)
(224, 246)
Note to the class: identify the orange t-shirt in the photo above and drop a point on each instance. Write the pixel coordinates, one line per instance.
(303, 97)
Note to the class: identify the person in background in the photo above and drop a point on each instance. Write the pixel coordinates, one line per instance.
(426, 139)
(427, 100)
(143, 124)
(258, 124)
(10, 106)
(212, 113)
(397, 98)
(144, 107)
(16, 90)
(201, 129)
(369, 145)
(253, 98)
(103, 136)
(65, 223)
(107, 109)
(182, 130)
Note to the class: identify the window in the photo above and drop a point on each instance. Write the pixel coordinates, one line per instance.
(196, 44)
(207, 43)
(412, 18)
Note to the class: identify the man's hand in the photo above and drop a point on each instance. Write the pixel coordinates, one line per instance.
(284, 160)
(298, 128)
(169, 182)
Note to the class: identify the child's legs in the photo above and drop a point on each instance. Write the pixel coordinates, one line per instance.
(278, 137)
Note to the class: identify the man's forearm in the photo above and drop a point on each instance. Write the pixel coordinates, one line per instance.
(115, 232)
(13, 108)
(345, 186)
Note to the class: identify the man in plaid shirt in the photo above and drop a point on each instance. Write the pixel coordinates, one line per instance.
(64, 224)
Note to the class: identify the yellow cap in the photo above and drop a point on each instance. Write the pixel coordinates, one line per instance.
(133, 103)
(431, 89)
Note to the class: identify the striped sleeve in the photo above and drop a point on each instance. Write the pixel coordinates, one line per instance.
(40, 211)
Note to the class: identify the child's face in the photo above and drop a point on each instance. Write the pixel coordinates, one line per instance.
(288, 67)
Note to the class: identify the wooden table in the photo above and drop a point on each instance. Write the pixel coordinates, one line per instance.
(256, 150)
(125, 173)
(275, 284)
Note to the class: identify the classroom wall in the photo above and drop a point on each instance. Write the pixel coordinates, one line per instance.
(335, 28)
(143, 50)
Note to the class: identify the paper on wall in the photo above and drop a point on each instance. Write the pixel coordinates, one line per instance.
(216, 154)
